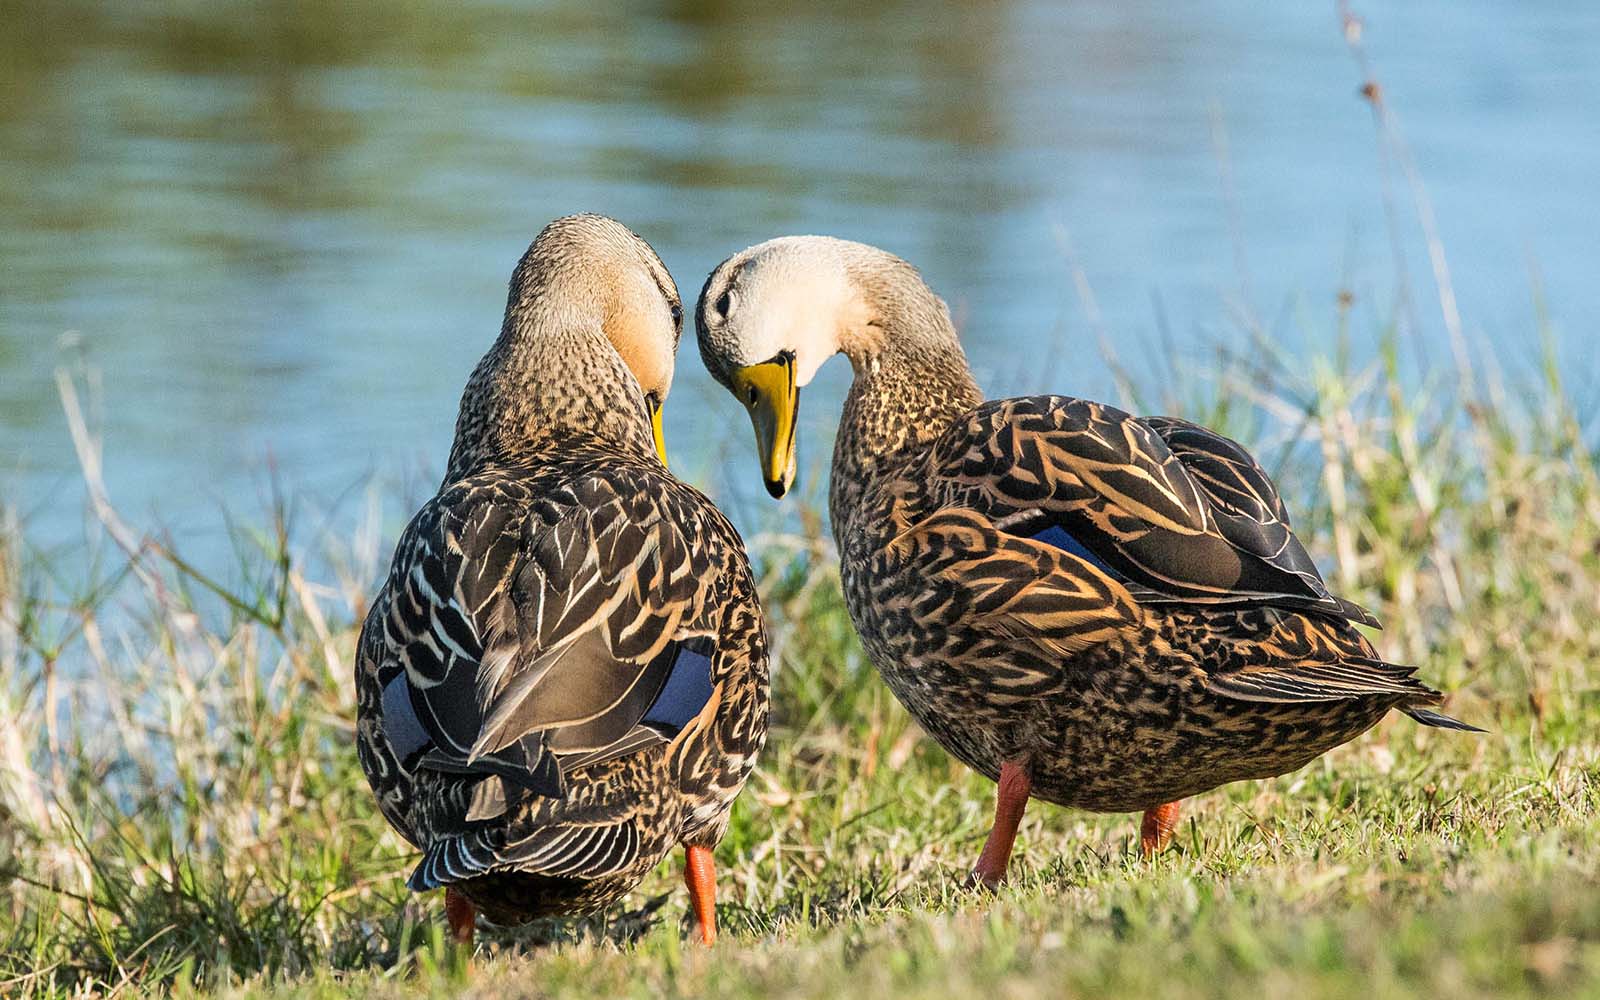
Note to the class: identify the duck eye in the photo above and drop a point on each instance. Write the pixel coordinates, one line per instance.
(725, 303)
(677, 314)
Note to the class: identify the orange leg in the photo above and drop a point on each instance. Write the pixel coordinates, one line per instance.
(1155, 831)
(700, 875)
(462, 915)
(1011, 798)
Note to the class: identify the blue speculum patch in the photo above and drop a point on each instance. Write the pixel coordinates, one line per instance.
(400, 723)
(686, 691)
(1062, 539)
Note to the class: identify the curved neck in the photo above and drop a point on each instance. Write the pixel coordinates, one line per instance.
(911, 381)
(536, 390)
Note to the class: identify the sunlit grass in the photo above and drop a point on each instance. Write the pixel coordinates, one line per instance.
(180, 805)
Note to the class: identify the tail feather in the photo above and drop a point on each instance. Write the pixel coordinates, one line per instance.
(1351, 677)
(1438, 721)
(1356, 613)
(525, 763)
(1300, 681)
(451, 860)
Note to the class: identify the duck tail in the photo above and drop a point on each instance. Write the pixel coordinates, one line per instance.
(1438, 721)
(452, 860)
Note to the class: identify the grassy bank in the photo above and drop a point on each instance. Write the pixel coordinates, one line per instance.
(180, 806)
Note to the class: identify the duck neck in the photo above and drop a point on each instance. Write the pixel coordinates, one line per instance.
(543, 392)
(911, 382)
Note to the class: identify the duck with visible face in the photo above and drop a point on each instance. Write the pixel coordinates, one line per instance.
(565, 674)
(1100, 610)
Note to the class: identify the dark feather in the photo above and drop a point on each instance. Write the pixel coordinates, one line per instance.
(525, 763)
(576, 657)
(451, 860)
(1438, 721)
(1197, 521)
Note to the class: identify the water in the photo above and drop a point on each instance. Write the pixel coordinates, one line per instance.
(282, 231)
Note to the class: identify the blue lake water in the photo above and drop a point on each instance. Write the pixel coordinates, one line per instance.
(281, 232)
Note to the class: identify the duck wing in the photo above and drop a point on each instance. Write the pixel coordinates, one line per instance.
(1016, 606)
(1244, 501)
(1059, 517)
(526, 637)
(1179, 513)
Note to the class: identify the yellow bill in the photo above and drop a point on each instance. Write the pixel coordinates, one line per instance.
(769, 393)
(655, 426)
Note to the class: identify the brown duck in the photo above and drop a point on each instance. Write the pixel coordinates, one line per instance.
(1100, 610)
(566, 672)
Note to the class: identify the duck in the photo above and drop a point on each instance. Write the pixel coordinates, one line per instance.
(565, 673)
(1102, 611)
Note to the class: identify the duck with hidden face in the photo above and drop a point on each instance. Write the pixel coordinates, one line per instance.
(565, 674)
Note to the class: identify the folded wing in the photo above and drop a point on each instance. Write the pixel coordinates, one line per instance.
(1180, 513)
(534, 639)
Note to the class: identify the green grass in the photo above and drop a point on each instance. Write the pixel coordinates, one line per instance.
(181, 809)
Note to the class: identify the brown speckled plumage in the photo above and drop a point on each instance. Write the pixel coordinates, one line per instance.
(1116, 605)
(531, 649)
